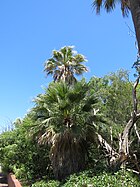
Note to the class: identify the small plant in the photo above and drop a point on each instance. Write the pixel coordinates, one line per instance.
(43, 183)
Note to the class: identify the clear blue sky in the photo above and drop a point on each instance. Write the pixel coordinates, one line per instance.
(31, 29)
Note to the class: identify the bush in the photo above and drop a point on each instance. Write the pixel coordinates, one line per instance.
(21, 154)
(89, 179)
(43, 183)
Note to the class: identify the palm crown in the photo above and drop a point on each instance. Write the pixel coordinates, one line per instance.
(64, 118)
(65, 64)
(110, 5)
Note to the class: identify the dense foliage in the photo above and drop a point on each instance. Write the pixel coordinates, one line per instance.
(59, 136)
(20, 154)
(88, 178)
(114, 92)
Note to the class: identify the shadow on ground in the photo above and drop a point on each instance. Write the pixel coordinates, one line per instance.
(3, 180)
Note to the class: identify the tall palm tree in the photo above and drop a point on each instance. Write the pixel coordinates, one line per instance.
(65, 64)
(126, 5)
(64, 118)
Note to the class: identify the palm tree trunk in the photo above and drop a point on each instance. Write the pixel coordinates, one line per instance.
(68, 155)
(135, 11)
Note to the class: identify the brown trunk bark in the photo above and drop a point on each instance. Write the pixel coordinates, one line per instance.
(135, 11)
(68, 155)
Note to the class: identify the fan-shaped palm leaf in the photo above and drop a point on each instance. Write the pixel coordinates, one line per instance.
(64, 64)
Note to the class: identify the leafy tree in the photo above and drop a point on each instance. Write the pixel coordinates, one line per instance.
(115, 95)
(116, 103)
(126, 5)
(65, 64)
(64, 117)
(21, 154)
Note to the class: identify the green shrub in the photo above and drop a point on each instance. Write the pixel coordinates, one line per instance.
(43, 183)
(119, 179)
(89, 179)
(21, 154)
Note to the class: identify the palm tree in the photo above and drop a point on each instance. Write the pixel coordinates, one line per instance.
(126, 5)
(64, 118)
(65, 64)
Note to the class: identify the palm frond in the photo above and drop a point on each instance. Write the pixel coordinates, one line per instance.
(57, 56)
(125, 7)
(97, 4)
(109, 5)
(64, 64)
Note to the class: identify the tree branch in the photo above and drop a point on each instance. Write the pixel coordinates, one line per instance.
(135, 127)
(109, 149)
